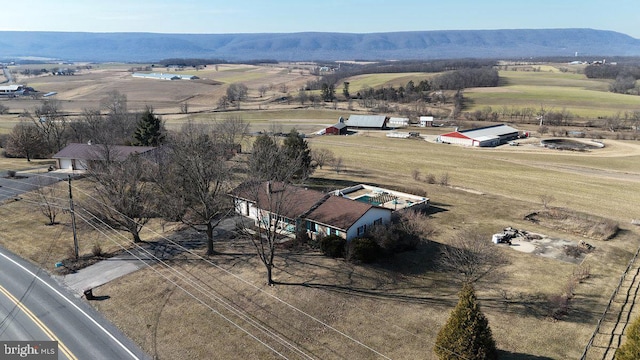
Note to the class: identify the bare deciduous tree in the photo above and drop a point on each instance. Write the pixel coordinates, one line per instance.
(322, 156)
(337, 165)
(194, 179)
(51, 124)
(120, 123)
(271, 169)
(232, 131)
(50, 203)
(546, 200)
(275, 200)
(236, 93)
(25, 140)
(263, 90)
(471, 256)
(123, 195)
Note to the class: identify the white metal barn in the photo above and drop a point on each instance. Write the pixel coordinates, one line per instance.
(396, 122)
(493, 135)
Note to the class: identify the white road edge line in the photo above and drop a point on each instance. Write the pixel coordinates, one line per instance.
(74, 305)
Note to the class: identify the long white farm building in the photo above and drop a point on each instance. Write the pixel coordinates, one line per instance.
(493, 135)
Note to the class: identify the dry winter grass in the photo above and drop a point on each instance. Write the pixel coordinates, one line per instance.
(332, 309)
(328, 308)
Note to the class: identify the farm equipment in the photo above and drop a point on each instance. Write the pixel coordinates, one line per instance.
(507, 235)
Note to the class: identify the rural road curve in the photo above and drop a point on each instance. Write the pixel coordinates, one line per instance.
(34, 307)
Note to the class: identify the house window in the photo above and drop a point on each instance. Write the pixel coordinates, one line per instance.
(378, 222)
(361, 230)
(311, 226)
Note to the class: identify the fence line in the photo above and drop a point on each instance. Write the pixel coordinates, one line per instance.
(615, 292)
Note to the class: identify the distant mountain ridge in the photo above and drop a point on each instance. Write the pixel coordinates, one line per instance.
(446, 44)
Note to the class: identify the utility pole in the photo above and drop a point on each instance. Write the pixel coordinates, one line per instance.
(73, 221)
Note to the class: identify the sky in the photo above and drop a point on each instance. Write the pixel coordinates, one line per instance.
(289, 16)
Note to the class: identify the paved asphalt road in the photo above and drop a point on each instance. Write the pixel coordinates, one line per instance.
(27, 181)
(34, 307)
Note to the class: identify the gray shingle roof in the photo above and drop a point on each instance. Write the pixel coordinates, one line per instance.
(96, 152)
(367, 121)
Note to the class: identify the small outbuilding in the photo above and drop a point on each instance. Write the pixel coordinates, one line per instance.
(340, 128)
(426, 121)
(487, 136)
(398, 122)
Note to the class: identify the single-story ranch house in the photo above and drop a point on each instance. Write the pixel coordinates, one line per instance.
(485, 136)
(77, 156)
(295, 208)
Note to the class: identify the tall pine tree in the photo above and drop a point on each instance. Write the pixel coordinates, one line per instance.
(466, 335)
(630, 350)
(299, 154)
(150, 130)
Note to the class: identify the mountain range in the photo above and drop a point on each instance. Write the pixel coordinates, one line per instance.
(149, 47)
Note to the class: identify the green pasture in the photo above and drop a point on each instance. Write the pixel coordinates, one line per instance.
(587, 98)
(359, 82)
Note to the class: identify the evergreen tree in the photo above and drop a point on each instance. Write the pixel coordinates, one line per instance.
(265, 159)
(630, 350)
(150, 130)
(272, 161)
(328, 92)
(466, 335)
(299, 154)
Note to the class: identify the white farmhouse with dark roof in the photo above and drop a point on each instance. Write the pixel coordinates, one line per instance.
(346, 213)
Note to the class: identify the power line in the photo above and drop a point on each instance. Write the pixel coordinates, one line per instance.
(185, 290)
(273, 296)
(198, 287)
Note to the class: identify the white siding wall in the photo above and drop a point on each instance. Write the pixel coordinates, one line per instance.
(372, 215)
(456, 141)
(80, 165)
(241, 209)
(66, 164)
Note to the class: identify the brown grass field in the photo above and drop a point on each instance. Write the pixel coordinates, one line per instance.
(220, 307)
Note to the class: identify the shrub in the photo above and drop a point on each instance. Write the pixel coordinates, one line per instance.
(444, 179)
(333, 246)
(415, 174)
(96, 250)
(631, 347)
(364, 249)
(11, 173)
(430, 179)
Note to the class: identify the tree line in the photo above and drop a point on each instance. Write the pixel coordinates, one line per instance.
(47, 129)
(624, 76)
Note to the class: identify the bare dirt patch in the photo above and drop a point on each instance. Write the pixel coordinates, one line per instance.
(552, 248)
